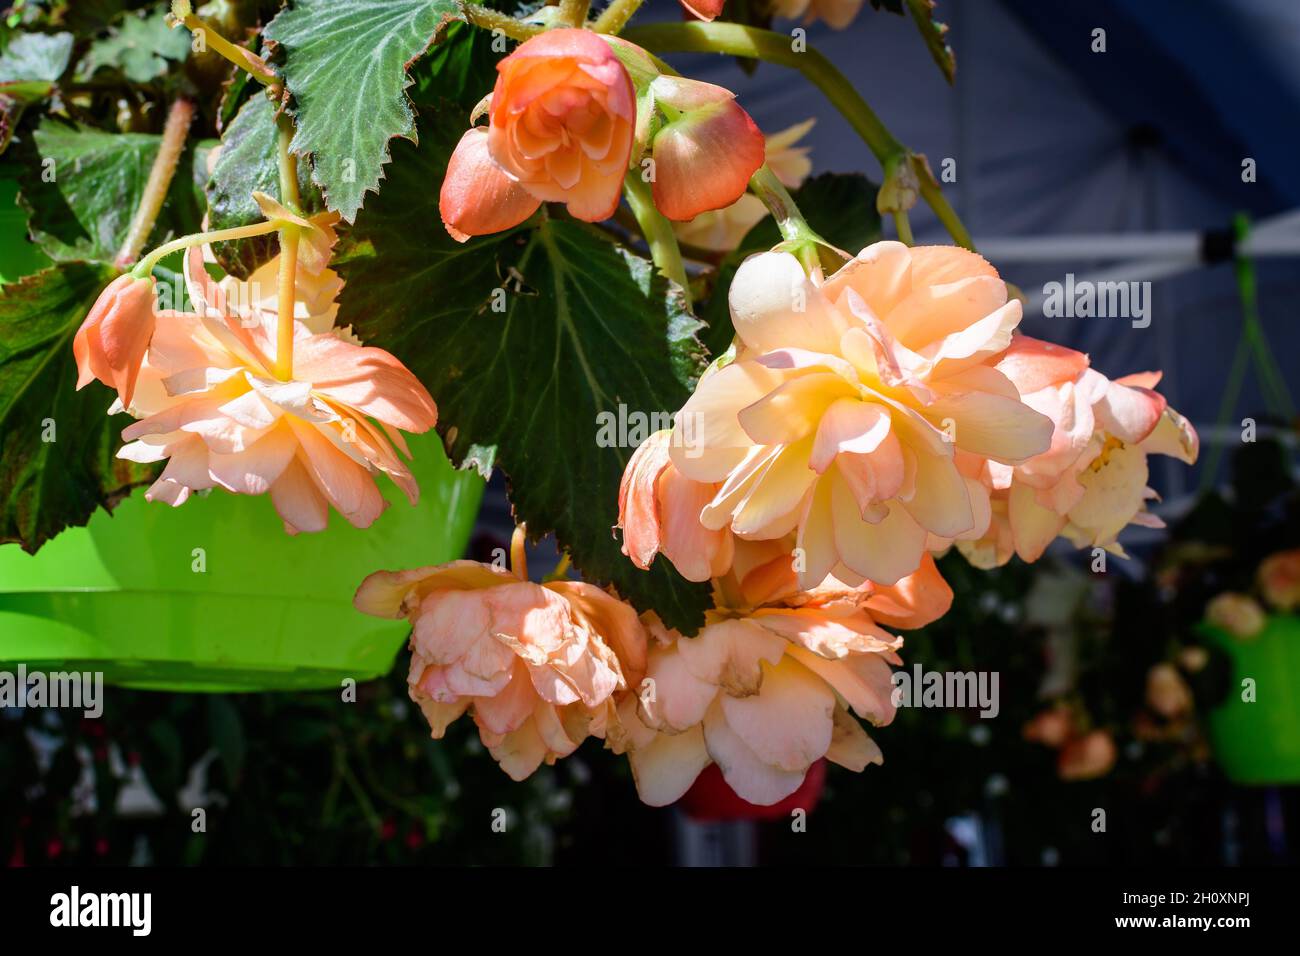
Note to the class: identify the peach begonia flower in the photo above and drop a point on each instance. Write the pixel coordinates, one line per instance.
(1092, 482)
(763, 695)
(1087, 757)
(705, 152)
(112, 341)
(766, 691)
(1279, 580)
(1167, 692)
(722, 230)
(560, 129)
(859, 411)
(659, 512)
(1052, 727)
(837, 14)
(703, 9)
(1238, 614)
(766, 573)
(210, 404)
(537, 665)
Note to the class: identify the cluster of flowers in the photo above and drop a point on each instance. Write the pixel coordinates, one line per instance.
(205, 390)
(861, 423)
(570, 113)
(1278, 582)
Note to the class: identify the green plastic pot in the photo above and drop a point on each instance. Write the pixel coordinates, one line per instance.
(214, 595)
(1259, 743)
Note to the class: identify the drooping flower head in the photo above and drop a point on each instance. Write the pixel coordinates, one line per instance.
(211, 406)
(837, 14)
(1238, 614)
(703, 9)
(767, 692)
(705, 151)
(1279, 579)
(858, 412)
(111, 343)
(722, 230)
(1091, 482)
(536, 665)
(560, 130)
(659, 511)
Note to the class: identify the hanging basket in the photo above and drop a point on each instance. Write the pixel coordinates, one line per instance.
(215, 596)
(1259, 742)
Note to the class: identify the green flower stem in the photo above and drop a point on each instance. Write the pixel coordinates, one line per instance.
(146, 265)
(286, 285)
(247, 60)
(287, 164)
(615, 16)
(561, 572)
(753, 43)
(936, 200)
(160, 180)
(766, 186)
(286, 288)
(903, 226)
(657, 230)
(574, 12)
(488, 19)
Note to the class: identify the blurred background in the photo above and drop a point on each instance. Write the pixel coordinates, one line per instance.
(1117, 691)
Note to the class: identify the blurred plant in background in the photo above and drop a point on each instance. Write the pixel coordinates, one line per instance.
(293, 778)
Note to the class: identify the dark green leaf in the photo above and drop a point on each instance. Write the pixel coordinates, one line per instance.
(227, 732)
(345, 64)
(582, 327)
(247, 164)
(841, 207)
(162, 758)
(97, 181)
(141, 48)
(461, 68)
(46, 485)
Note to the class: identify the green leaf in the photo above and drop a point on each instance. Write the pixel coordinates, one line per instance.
(462, 67)
(29, 67)
(346, 65)
(98, 179)
(46, 484)
(581, 327)
(32, 62)
(247, 164)
(841, 207)
(141, 48)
